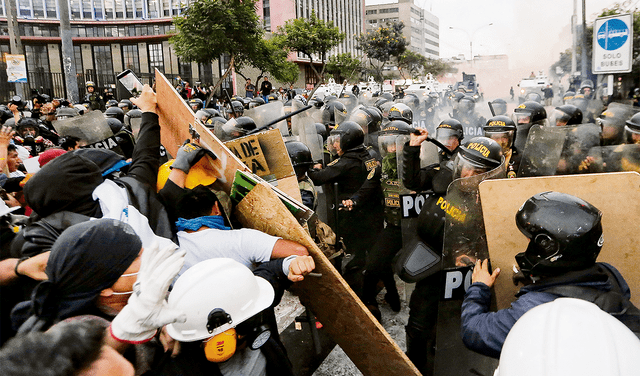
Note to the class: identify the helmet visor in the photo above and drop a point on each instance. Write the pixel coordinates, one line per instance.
(633, 135)
(447, 137)
(464, 168)
(559, 118)
(333, 144)
(522, 117)
(503, 137)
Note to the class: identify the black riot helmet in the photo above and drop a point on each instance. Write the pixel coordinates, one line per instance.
(196, 104)
(525, 116)
(566, 114)
(533, 97)
(632, 129)
(499, 106)
(401, 111)
(300, 156)
(126, 105)
(477, 156)
(238, 127)
(466, 104)
(565, 234)
(114, 112)
(333, 113)
(501, 129)
(115, 125)
(448, 131)
(256, 101)
(237, 107)
(367, 119)
(317, 100)
(111, 103)
(28, 128)
(586, 88)
(347, 135)
(132, 118)
(380, 101)
(397, 127)
(321, 129)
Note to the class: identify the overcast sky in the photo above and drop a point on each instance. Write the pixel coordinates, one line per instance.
(531, 32)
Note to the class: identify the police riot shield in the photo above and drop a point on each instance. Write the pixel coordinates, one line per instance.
(542, 151)
(366, 98)
(426, 118)
(89, 128)
(266, 113)
(464, 236)
(580, 139)
(613, 158)
(464, 243)
(612, 122)
(303, 127)
(349, 100)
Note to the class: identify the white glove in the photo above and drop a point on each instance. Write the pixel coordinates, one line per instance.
(147, 309)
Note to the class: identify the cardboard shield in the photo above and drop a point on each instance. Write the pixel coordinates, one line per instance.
(615, 194)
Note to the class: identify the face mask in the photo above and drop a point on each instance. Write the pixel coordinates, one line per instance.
(221, 347)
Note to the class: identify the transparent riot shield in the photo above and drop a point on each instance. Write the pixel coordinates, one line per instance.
(464, 235)
(425, 118)
(366, 98)
(613, 158)
(593, 110)
(349, 100)
(303, 127)
(542, 151)
(89, 128)
(266, 113)
(580, 139)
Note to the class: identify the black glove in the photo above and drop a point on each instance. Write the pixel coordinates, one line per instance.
(188, 155)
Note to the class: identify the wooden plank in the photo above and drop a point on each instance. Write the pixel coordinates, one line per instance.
(342, 313)
(617, 195)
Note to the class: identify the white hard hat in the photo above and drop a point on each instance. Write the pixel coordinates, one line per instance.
(569, 337)
(219, 283)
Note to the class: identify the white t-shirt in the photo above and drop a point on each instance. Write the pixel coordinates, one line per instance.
(247, 246)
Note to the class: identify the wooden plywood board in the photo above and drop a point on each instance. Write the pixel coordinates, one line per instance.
(617, 195)
(344, 316)
(178, 123)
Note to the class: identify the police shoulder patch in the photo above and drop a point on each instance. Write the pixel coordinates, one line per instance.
(333, 162)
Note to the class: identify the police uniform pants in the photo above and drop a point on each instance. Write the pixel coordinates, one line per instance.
(378, 266)
(423, 316)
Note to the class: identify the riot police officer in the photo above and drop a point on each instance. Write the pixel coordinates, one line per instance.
(391, 140)
(350, 170)
(525, 116)
(95, 100)
(479, 155)
(503, 130)
(301, 160)
(567, 114)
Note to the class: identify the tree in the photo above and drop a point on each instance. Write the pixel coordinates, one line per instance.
(411, 62)
(343, 66)
(208, 29)
(312, 37)
(438, 67)
(383, 45)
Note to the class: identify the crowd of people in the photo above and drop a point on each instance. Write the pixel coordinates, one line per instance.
(108, 265)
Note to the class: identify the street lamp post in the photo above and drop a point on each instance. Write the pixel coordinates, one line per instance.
(470, 36)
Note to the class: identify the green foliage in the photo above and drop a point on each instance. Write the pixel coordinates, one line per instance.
(412, 63)
(343, 66)
(210, 28)
(438, 67)
(383, 45)
(312, 37)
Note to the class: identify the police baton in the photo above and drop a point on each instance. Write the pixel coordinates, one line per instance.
(493, 113)
(235, 114)
(279, 120)
(435, 142)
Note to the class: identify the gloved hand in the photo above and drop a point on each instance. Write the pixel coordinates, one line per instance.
(147, 309)
(188, 155)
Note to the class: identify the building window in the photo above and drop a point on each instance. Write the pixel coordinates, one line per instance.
(37, 58)
(155, 57)
(266, 15)
(372, 11)
(24, 8)
(389, 10)
(38, 8)
(74, 7)
(102, 61)
(77, 54)
(184, 69)
(130, 58)
(309, 76)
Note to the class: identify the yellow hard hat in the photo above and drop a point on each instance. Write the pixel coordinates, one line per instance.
(197, 175)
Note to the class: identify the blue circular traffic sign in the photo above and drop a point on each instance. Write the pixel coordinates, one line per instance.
(613, 34)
